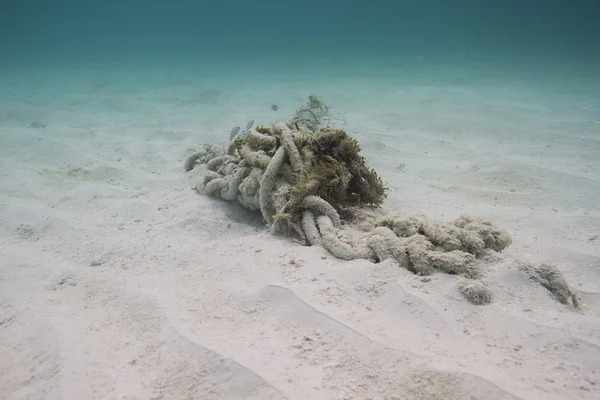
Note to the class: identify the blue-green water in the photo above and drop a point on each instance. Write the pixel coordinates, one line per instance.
(118, 281)
(296, 33)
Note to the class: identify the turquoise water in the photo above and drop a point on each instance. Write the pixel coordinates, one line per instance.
(118, 281)
(305, 34)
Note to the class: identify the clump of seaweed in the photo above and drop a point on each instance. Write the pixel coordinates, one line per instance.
(310, 115)
(550, 277)
(308, 181)
(334, 170)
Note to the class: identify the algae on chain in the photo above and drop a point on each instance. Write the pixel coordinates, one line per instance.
(322, 207)
(471, 235)
(267, 185)
(239, 141)
(550, 277)
(263, 129)
(475, 291)
(261, 141)
(385, 244)
(255, 158)
(324, 163)
(311, 232)
(493, 237)
(201, 157)
(306, 179)
(338, 248)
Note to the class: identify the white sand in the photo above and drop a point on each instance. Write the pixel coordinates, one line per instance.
(119, 282)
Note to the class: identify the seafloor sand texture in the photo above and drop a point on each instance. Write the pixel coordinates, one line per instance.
(119, 282)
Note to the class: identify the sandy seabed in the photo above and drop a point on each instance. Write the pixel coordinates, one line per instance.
(117, 281)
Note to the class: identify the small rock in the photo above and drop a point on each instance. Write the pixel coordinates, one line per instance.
(62, 279)
(96, 263)
(36, 125)
(25, 231)
(591, 382)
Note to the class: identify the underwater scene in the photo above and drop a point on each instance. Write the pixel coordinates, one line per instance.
(300, 199)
